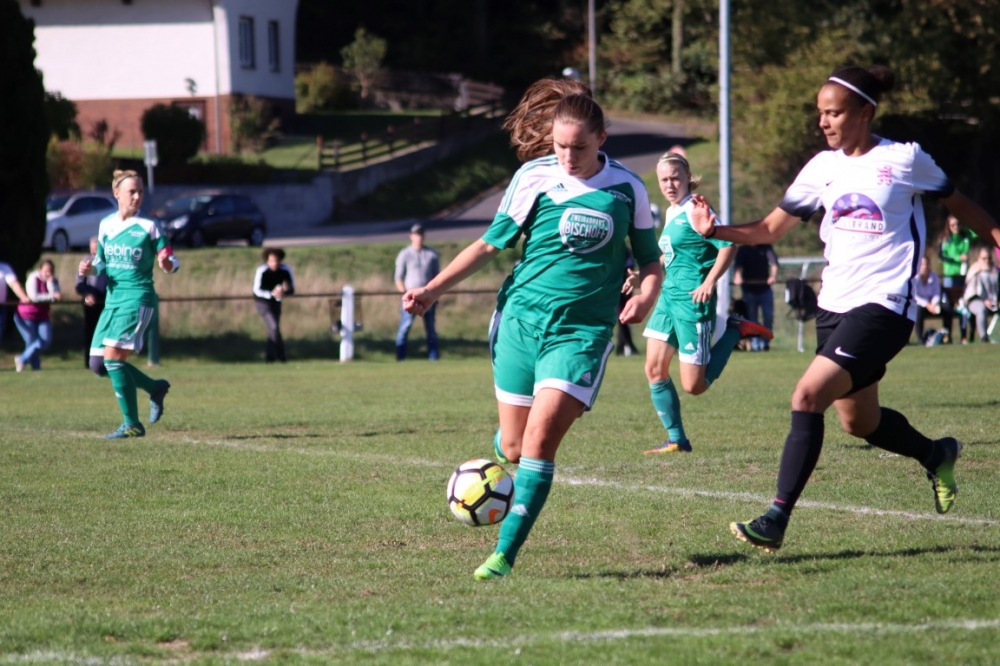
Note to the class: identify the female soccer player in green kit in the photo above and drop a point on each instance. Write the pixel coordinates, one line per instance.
(552, 333)
(128, 247)
(683, 322)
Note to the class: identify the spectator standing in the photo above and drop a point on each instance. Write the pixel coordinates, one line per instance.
(8, 278)
(755, 271)
(93, 289)
(954, 253)
(272, 282)
(927, 294)
(33, 319)
(982, 290)
(416, 265)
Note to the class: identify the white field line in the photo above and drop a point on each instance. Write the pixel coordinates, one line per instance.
(595, 482)
(527, 640)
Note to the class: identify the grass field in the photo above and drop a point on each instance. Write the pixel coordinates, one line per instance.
(295, 514)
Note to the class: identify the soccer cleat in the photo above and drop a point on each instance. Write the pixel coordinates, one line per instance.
(156, 400)
(494, 567)
(749, 329)
(763, 533)
(18, 364)
(501, 458)
(127, 431)
(943, 478)
(671, 447)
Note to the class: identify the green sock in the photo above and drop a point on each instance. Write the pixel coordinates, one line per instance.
(668, 408)
(124, 386)
(531, 489)
(721, 351)
(140, 378)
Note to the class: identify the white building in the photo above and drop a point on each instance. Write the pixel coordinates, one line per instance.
(117, 58)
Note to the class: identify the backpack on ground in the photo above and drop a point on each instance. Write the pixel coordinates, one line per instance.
(801, 300)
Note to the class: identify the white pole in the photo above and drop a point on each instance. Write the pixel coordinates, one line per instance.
(725, 207)
(347, 324)
(592, 46)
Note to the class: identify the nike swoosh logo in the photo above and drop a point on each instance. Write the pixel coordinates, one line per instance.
(840, 352)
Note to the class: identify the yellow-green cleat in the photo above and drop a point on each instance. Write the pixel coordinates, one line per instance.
(943, 478)
(495, 566)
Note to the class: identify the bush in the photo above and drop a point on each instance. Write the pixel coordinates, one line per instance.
(253, 127)
(77, 165)
(60, 114)
(322, 88)
(177, 133)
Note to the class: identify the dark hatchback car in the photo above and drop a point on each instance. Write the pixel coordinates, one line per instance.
(205, 218)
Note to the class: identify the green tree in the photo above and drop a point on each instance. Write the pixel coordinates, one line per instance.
(24, 136)
(178, 134)
(60, 113)
(363, 59)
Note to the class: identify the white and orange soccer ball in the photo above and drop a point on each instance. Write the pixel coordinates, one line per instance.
(480, 492)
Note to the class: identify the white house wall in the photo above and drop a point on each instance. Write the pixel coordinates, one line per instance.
(104, 49)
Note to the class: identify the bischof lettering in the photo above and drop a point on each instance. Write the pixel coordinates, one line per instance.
(584, 230)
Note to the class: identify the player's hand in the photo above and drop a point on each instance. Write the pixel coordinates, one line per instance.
(702, 217)
(89, 300)
(418, 301)
(168, 263)
(703, 294)
(85, 265)
(631, 282)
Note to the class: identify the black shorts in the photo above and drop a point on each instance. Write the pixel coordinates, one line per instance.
(862, 341)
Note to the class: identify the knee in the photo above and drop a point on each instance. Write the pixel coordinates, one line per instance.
(656, 372)
(804, 399)
(97, 366)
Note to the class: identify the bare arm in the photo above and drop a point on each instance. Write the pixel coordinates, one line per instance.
(16, 287)
(973, 216)
(468, 261)
(765, 231)
(703, 293)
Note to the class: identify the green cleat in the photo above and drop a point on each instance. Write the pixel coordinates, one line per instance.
(501, 458)
(127, 431)
(495, 566)
(943, 478)
(156, 400)
(762, 532)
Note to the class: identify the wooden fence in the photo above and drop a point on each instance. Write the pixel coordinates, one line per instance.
(478, 104)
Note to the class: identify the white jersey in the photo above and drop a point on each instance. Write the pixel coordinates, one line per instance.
(873, 227)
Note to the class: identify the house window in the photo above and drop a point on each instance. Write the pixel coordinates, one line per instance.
(247, 59)
(273, 50)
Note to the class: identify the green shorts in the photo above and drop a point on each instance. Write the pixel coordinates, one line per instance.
(122, 327)
(526, 360)
(691, 339)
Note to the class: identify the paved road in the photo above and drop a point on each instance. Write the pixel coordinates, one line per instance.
(637, 144)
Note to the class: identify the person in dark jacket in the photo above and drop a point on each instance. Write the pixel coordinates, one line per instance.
(93, 289)
(272, 282)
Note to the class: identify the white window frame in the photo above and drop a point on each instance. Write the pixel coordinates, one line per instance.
(273, 46)
(248, 59)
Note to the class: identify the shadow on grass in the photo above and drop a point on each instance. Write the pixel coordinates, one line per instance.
(973, 552)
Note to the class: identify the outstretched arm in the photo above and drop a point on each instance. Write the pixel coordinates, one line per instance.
(468, 261)
(765, 231)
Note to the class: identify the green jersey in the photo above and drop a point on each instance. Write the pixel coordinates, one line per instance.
(570, 277)
(688, 257)
(126, 252)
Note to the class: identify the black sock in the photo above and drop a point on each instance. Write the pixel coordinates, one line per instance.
(798, 459)
(894, 433)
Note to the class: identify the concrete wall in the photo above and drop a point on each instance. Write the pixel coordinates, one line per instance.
(288, 207)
